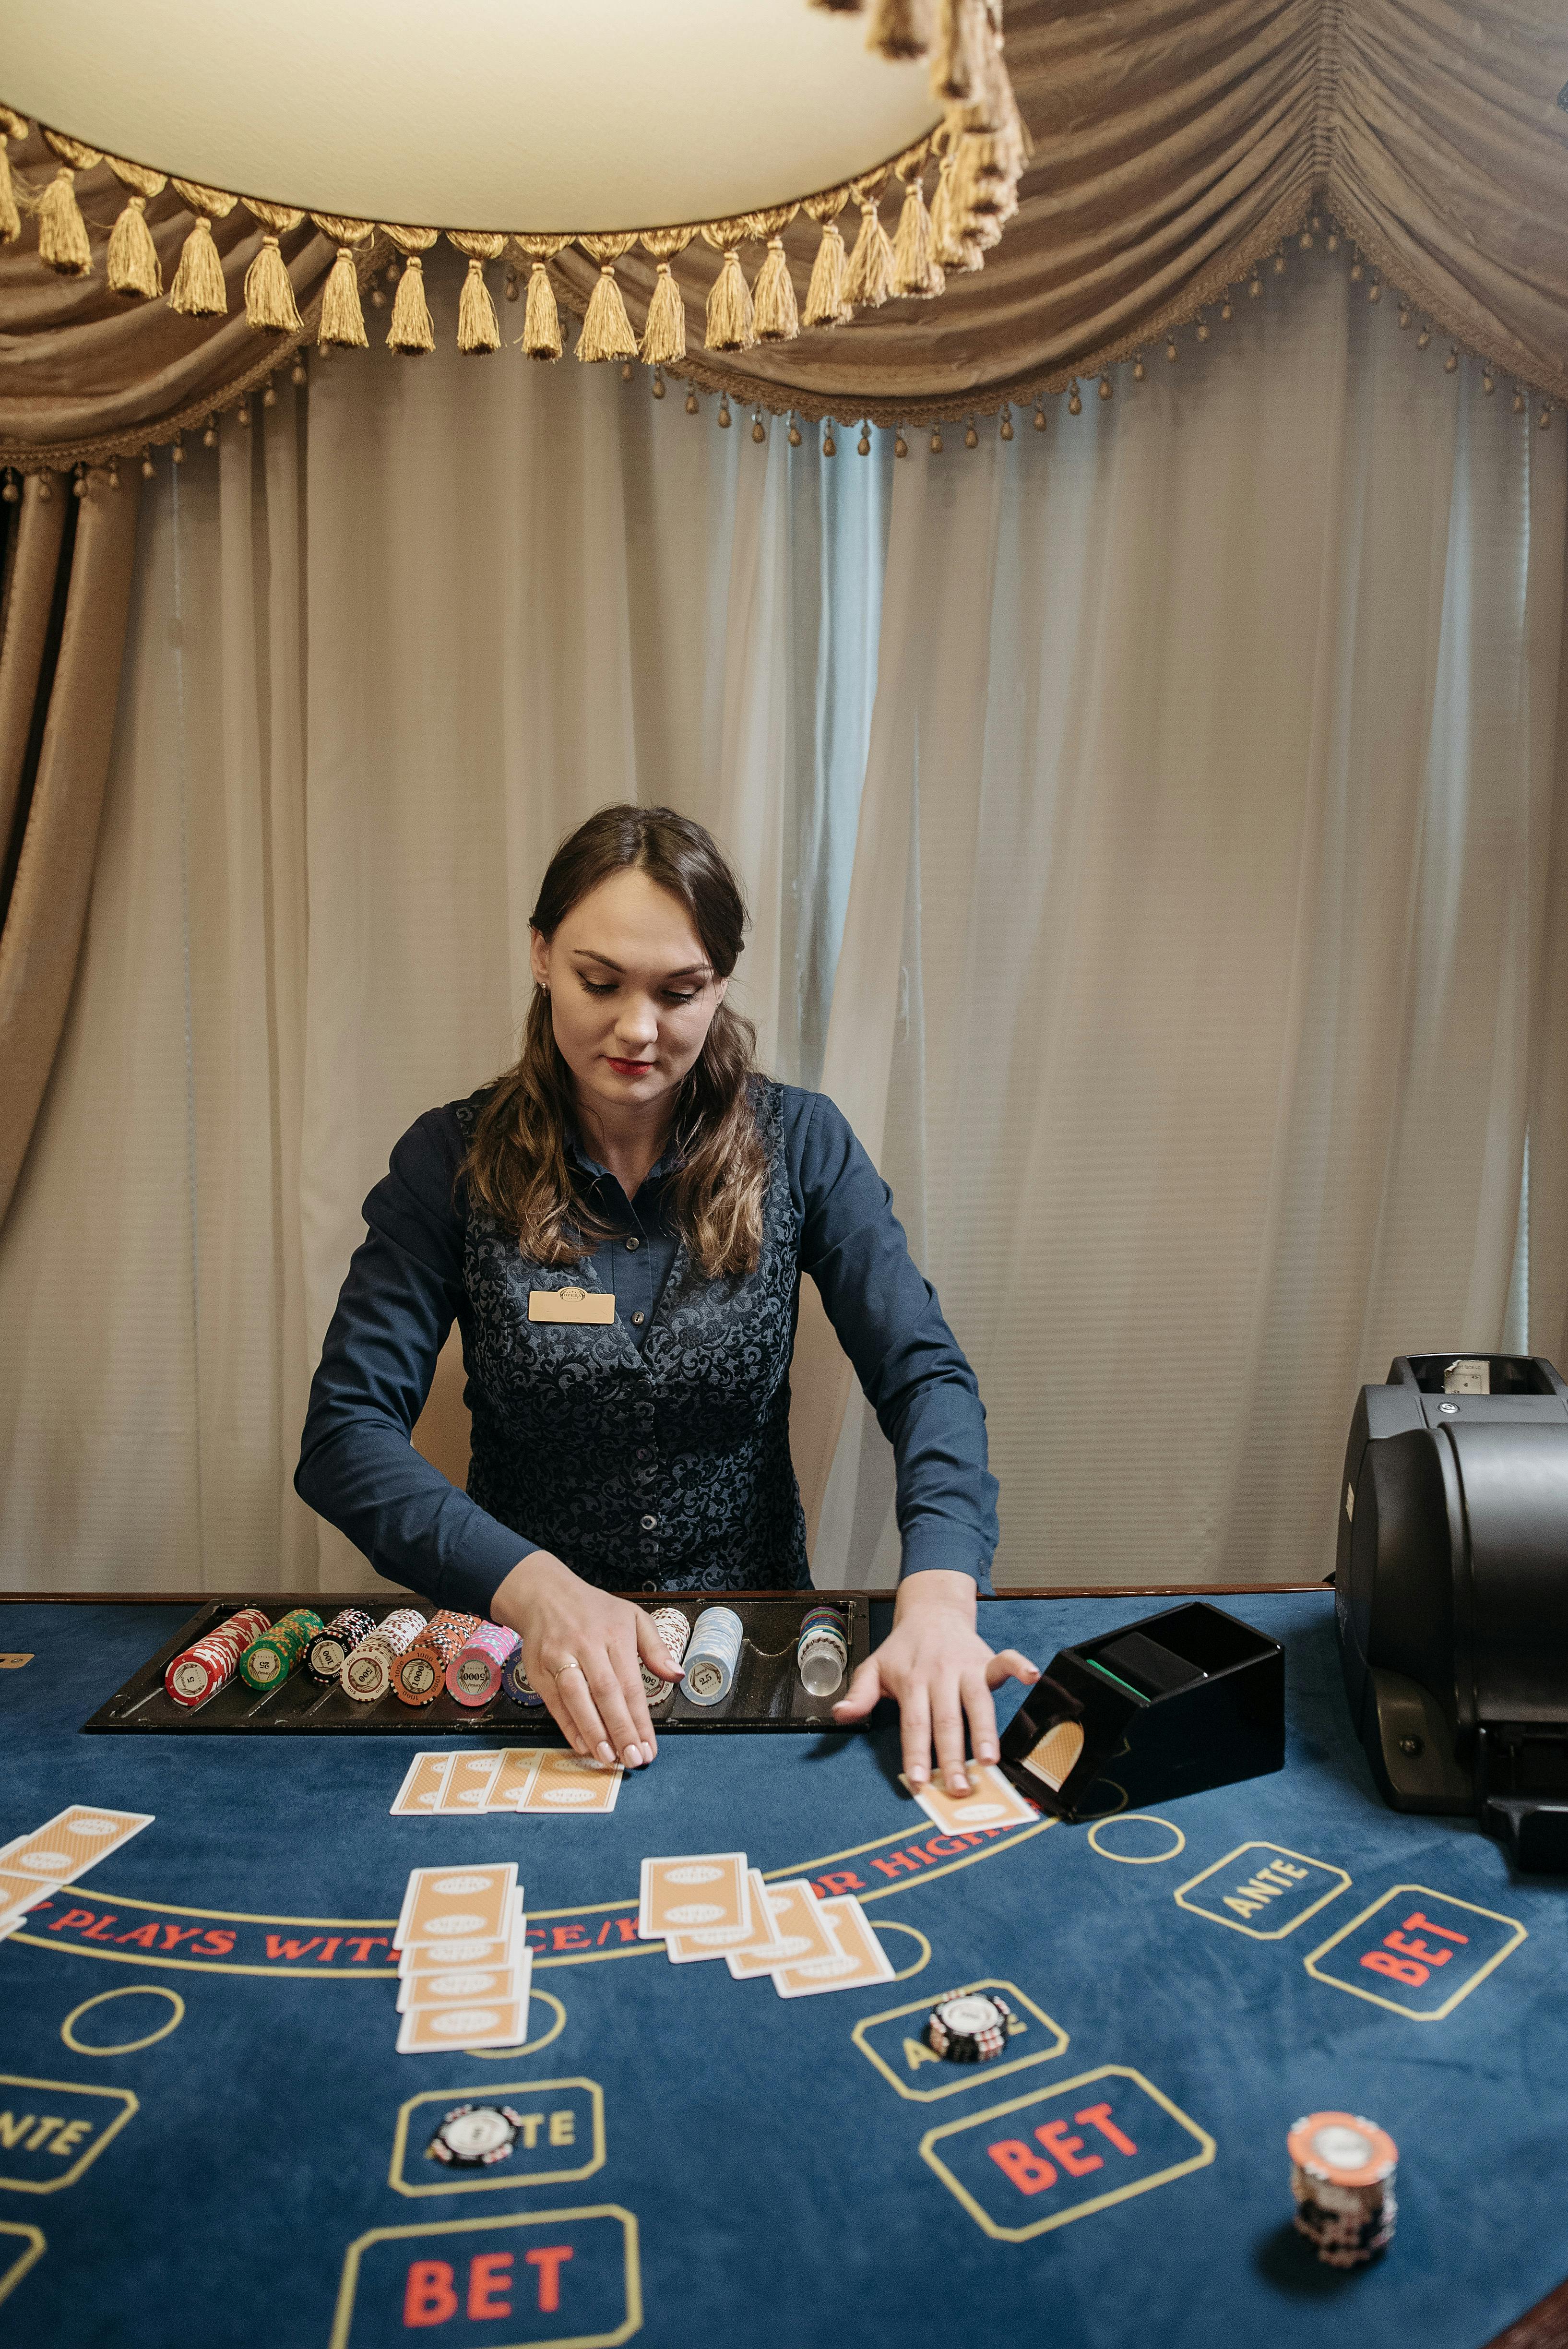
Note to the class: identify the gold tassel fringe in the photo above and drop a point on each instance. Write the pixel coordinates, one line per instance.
(62, 232)
(915, 270)
(479, 329)
(664, 330)
(11, 126)
(540, 337)
(731, 323)
(342, 320)
(412, 329)
(825, 303)
(902, 28)
(133, 265)
(199, 290)
(270, 303)
(607, 329)
(775, 314)
(869, 279)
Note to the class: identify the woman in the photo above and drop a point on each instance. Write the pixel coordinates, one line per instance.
(633, 1154)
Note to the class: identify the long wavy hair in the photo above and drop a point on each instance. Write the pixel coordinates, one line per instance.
(516, 1164)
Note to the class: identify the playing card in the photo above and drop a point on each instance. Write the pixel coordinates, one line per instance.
(519, 1767)
(422, 1786)
(434, 1957)
(706, 1892)
(571, 1785)
(684, 1948)
(991, 1802)
(858, 1960)
(456, 1904)
(20, 1892)
(798, 1932)
(434, 2030)
(468, 1782)
(467, 1985)
(70, 1843)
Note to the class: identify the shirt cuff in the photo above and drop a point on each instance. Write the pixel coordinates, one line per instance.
(933, 1549)
(480, 1564)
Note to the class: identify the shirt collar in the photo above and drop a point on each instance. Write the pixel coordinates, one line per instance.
(666, 1163)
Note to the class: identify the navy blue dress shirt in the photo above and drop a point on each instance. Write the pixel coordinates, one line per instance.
(404, 1288)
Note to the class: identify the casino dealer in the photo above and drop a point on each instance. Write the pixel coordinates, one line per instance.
(618, 1225)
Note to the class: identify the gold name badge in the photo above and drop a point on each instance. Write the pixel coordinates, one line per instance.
(570, 1305)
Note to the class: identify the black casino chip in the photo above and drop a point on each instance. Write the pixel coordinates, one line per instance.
(472, 2137)
(972, 2027)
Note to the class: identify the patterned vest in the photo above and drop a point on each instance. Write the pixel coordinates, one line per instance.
(664, 1467)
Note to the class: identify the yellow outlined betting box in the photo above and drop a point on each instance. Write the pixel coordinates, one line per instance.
(13, 2264)
(903, 2057)
(1128, 2140)
(1431, 1935)
(80, 2127)
(1267, 1880)
(548, 2102)
(610, 2228)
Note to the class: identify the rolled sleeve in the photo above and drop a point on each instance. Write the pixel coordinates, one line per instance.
(358, 1467)
(912, 1370)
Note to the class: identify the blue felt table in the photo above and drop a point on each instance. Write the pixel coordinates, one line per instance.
(710, 2164)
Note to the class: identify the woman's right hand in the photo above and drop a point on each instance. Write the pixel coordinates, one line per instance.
(581, 1649)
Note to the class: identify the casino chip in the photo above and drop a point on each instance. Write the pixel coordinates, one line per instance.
(972, 2027)
(472, 2137)
(1342, 2173)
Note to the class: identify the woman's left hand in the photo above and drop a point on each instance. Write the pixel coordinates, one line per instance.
(935, 1663)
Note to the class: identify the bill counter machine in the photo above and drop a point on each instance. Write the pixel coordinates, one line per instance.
(1451, 1586)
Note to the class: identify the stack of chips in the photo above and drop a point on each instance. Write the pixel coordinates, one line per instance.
(272, 1655)
(325, 1656)
(213, 1662)
(515, 1682)
(419, 1672)
(821, 1651)
(1342, 2172)
(971, 2028)
(713, 1657)
(474, 1674)
(366, 1672)
(674, 1631)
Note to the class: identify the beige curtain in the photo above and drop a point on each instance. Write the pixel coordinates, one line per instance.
(68, 573)
(1176, 142)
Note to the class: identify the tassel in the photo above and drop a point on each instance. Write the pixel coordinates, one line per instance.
(540, 337)
(479, 329)
(199, 290)
(902, 28)
(869, 280)
(133, 263)
(11, 126)
(948, 249)
(342, 319)
(270, 304)
(664, 330)
(954, 56)
(607, 329)
(731, 323)
(915, 270)
(825, 303)
(62, 232)
(411, 328)
(774, 314)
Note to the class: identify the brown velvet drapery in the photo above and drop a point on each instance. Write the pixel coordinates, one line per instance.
(1176, 144)
(67, 571)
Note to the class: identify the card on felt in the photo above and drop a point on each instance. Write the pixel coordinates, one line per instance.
(468, 1786)
(801, 1933)
(519, 1768)
(74, 1840)
(436, 2030)
(467, 1985)
(423, 1784)
(443, 1905)
(20, 1892)
(698, 1891)
(686, 1949)
(431, 1957)
(568, 1784)
(859, 1957)
(991, 1802)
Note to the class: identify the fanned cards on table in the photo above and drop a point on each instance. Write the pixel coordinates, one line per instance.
(715, 1905)
(539, 1783)
(464, 1965)
(34, 1866)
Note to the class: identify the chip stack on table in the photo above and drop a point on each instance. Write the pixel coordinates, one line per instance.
(419, 1673)
(272, 1655)
(211, 1662)
(463, 1961)
(674, 1631)
(970, 2027)
(715, 1905)
(1342, 2172)
(474, 1674)
(329, 1650)
(366, 1672)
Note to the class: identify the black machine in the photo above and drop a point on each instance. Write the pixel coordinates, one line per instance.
(1451, 1588)
(1178, 1702)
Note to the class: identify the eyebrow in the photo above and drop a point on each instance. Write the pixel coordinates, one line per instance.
(686, 970)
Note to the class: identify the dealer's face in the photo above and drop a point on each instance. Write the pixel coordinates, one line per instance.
(632, 993)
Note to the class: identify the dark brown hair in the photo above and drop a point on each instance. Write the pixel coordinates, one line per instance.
(516, 1163)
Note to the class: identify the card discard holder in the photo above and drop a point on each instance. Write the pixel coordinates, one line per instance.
(571, 1305)
(1170, 1706)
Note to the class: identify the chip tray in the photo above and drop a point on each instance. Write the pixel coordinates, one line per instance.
(768, 1693)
